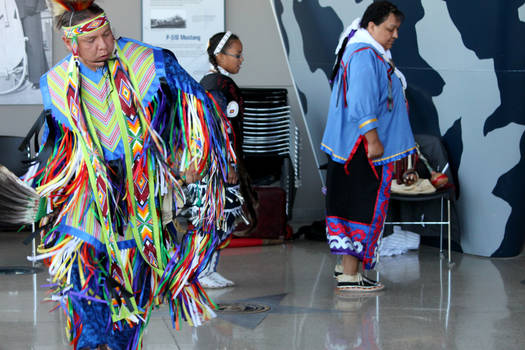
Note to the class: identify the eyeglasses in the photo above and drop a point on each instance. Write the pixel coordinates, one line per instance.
(233, 55)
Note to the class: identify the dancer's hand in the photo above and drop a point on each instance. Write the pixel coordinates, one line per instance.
(191, 174)
(375, 147)
(232, 175)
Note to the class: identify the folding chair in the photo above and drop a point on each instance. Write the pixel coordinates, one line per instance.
(444, 195)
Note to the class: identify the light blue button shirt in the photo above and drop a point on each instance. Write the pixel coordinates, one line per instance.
(367, 108)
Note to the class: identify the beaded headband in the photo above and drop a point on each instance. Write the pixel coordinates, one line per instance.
(86, 27)
(221, 44)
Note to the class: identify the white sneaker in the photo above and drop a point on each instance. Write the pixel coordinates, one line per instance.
(221, 280)
(358, 283)
(208, 282)
(338, 270)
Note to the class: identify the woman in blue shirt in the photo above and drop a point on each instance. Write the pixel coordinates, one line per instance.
(367, 130)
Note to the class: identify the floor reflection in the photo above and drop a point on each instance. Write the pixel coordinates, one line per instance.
(357, 324)
(477, 304)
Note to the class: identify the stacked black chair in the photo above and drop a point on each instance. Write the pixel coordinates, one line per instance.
(271, 140)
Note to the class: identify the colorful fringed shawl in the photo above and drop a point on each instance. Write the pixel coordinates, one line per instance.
(121, 136)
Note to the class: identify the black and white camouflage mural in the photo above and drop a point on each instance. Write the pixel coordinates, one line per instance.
(465, 65)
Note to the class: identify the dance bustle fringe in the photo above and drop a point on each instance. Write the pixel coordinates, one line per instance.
(185, 296)
(19, 203)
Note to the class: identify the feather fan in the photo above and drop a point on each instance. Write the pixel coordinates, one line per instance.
(19, 203)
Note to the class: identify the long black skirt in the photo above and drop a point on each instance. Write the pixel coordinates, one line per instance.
(356, 205)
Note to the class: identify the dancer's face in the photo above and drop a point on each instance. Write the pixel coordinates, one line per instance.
(385, 33)
(95, 48)
(231, 59)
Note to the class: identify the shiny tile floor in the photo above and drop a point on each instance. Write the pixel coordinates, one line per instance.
(477, 304)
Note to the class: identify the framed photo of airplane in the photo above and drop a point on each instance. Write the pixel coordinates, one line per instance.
(183, 27)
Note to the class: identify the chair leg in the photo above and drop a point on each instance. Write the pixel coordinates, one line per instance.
(450, 263)
(441, 232)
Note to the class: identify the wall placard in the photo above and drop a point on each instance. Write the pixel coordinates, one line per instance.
(184, 27)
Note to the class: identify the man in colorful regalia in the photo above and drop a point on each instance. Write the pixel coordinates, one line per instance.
(125, 126)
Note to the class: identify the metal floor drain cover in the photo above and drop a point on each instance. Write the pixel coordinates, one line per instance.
(245, 308)
(19, 270)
